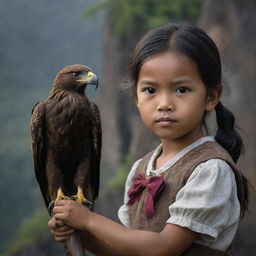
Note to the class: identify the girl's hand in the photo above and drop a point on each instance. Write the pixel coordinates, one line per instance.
(60, 231)
(70, 212)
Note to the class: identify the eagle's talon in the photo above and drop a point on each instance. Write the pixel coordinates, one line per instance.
(80, 195)
(60, 195)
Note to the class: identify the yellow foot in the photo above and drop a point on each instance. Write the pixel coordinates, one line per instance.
(60, 195)
(79, 197)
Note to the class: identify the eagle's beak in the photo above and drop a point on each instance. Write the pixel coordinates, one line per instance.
(89, 79)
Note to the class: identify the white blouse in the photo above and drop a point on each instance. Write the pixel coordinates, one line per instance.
(207, 204)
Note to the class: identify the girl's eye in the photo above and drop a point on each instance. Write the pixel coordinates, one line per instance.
(181, 90)
(149, 90)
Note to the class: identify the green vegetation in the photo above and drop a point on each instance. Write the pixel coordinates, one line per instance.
(132, 16)
(118, 180)
(31, 229)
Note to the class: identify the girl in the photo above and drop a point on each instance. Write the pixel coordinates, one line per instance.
(187, 196)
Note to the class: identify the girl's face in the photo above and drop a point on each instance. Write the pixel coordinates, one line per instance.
(172, 98)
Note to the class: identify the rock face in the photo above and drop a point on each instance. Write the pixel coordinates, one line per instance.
(108, 102)
(123, 130)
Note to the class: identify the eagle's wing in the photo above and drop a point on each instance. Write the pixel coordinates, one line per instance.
(97, 142)
(38, 145)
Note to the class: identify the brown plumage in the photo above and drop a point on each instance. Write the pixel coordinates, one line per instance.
(66, 137)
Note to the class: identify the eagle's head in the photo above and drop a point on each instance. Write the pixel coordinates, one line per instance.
(74, 78)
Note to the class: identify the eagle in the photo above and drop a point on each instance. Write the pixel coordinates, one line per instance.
(66, 138)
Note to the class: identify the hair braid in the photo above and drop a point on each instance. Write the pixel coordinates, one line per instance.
(228, 138)
(226, 135)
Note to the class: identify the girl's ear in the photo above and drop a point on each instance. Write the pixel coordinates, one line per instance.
(213, 98)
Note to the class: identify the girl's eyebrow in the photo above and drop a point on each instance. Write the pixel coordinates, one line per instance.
(181, 81)
(147, 82)
(173, 83)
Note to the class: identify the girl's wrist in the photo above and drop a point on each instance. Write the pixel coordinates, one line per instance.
(88, 218)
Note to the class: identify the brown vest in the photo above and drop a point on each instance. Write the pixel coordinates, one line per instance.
(175, 178)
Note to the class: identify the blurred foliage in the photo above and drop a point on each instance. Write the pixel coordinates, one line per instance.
(132, 16)
(31, 229)
(118, 180)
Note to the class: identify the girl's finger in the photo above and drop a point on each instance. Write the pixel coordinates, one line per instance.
(57, 202)
(59, 223)
(60, 202)
(64, 229)
(60, 217)
(52, 223)
(60, 234)
(57, 209)
(61, 239)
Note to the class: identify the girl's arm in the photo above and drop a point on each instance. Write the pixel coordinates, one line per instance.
(112, 238)
(62, 232)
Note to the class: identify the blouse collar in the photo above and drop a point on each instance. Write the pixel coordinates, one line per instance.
(150, 168)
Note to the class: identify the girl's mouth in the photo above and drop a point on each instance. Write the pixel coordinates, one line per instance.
(165, 121)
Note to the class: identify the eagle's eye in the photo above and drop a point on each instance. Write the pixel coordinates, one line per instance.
(75, 74)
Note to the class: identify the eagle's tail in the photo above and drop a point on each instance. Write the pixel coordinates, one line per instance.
(73, 245)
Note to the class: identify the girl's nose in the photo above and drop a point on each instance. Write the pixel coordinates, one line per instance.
(165, 104)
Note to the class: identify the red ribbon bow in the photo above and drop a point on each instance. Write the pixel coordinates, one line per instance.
(153, 186)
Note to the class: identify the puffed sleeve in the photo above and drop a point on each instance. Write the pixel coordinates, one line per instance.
(208, 203)
(123, 210)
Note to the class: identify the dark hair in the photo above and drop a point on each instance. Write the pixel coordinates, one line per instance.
(201, 49)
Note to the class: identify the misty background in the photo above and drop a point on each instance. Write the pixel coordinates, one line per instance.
(40, 37)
